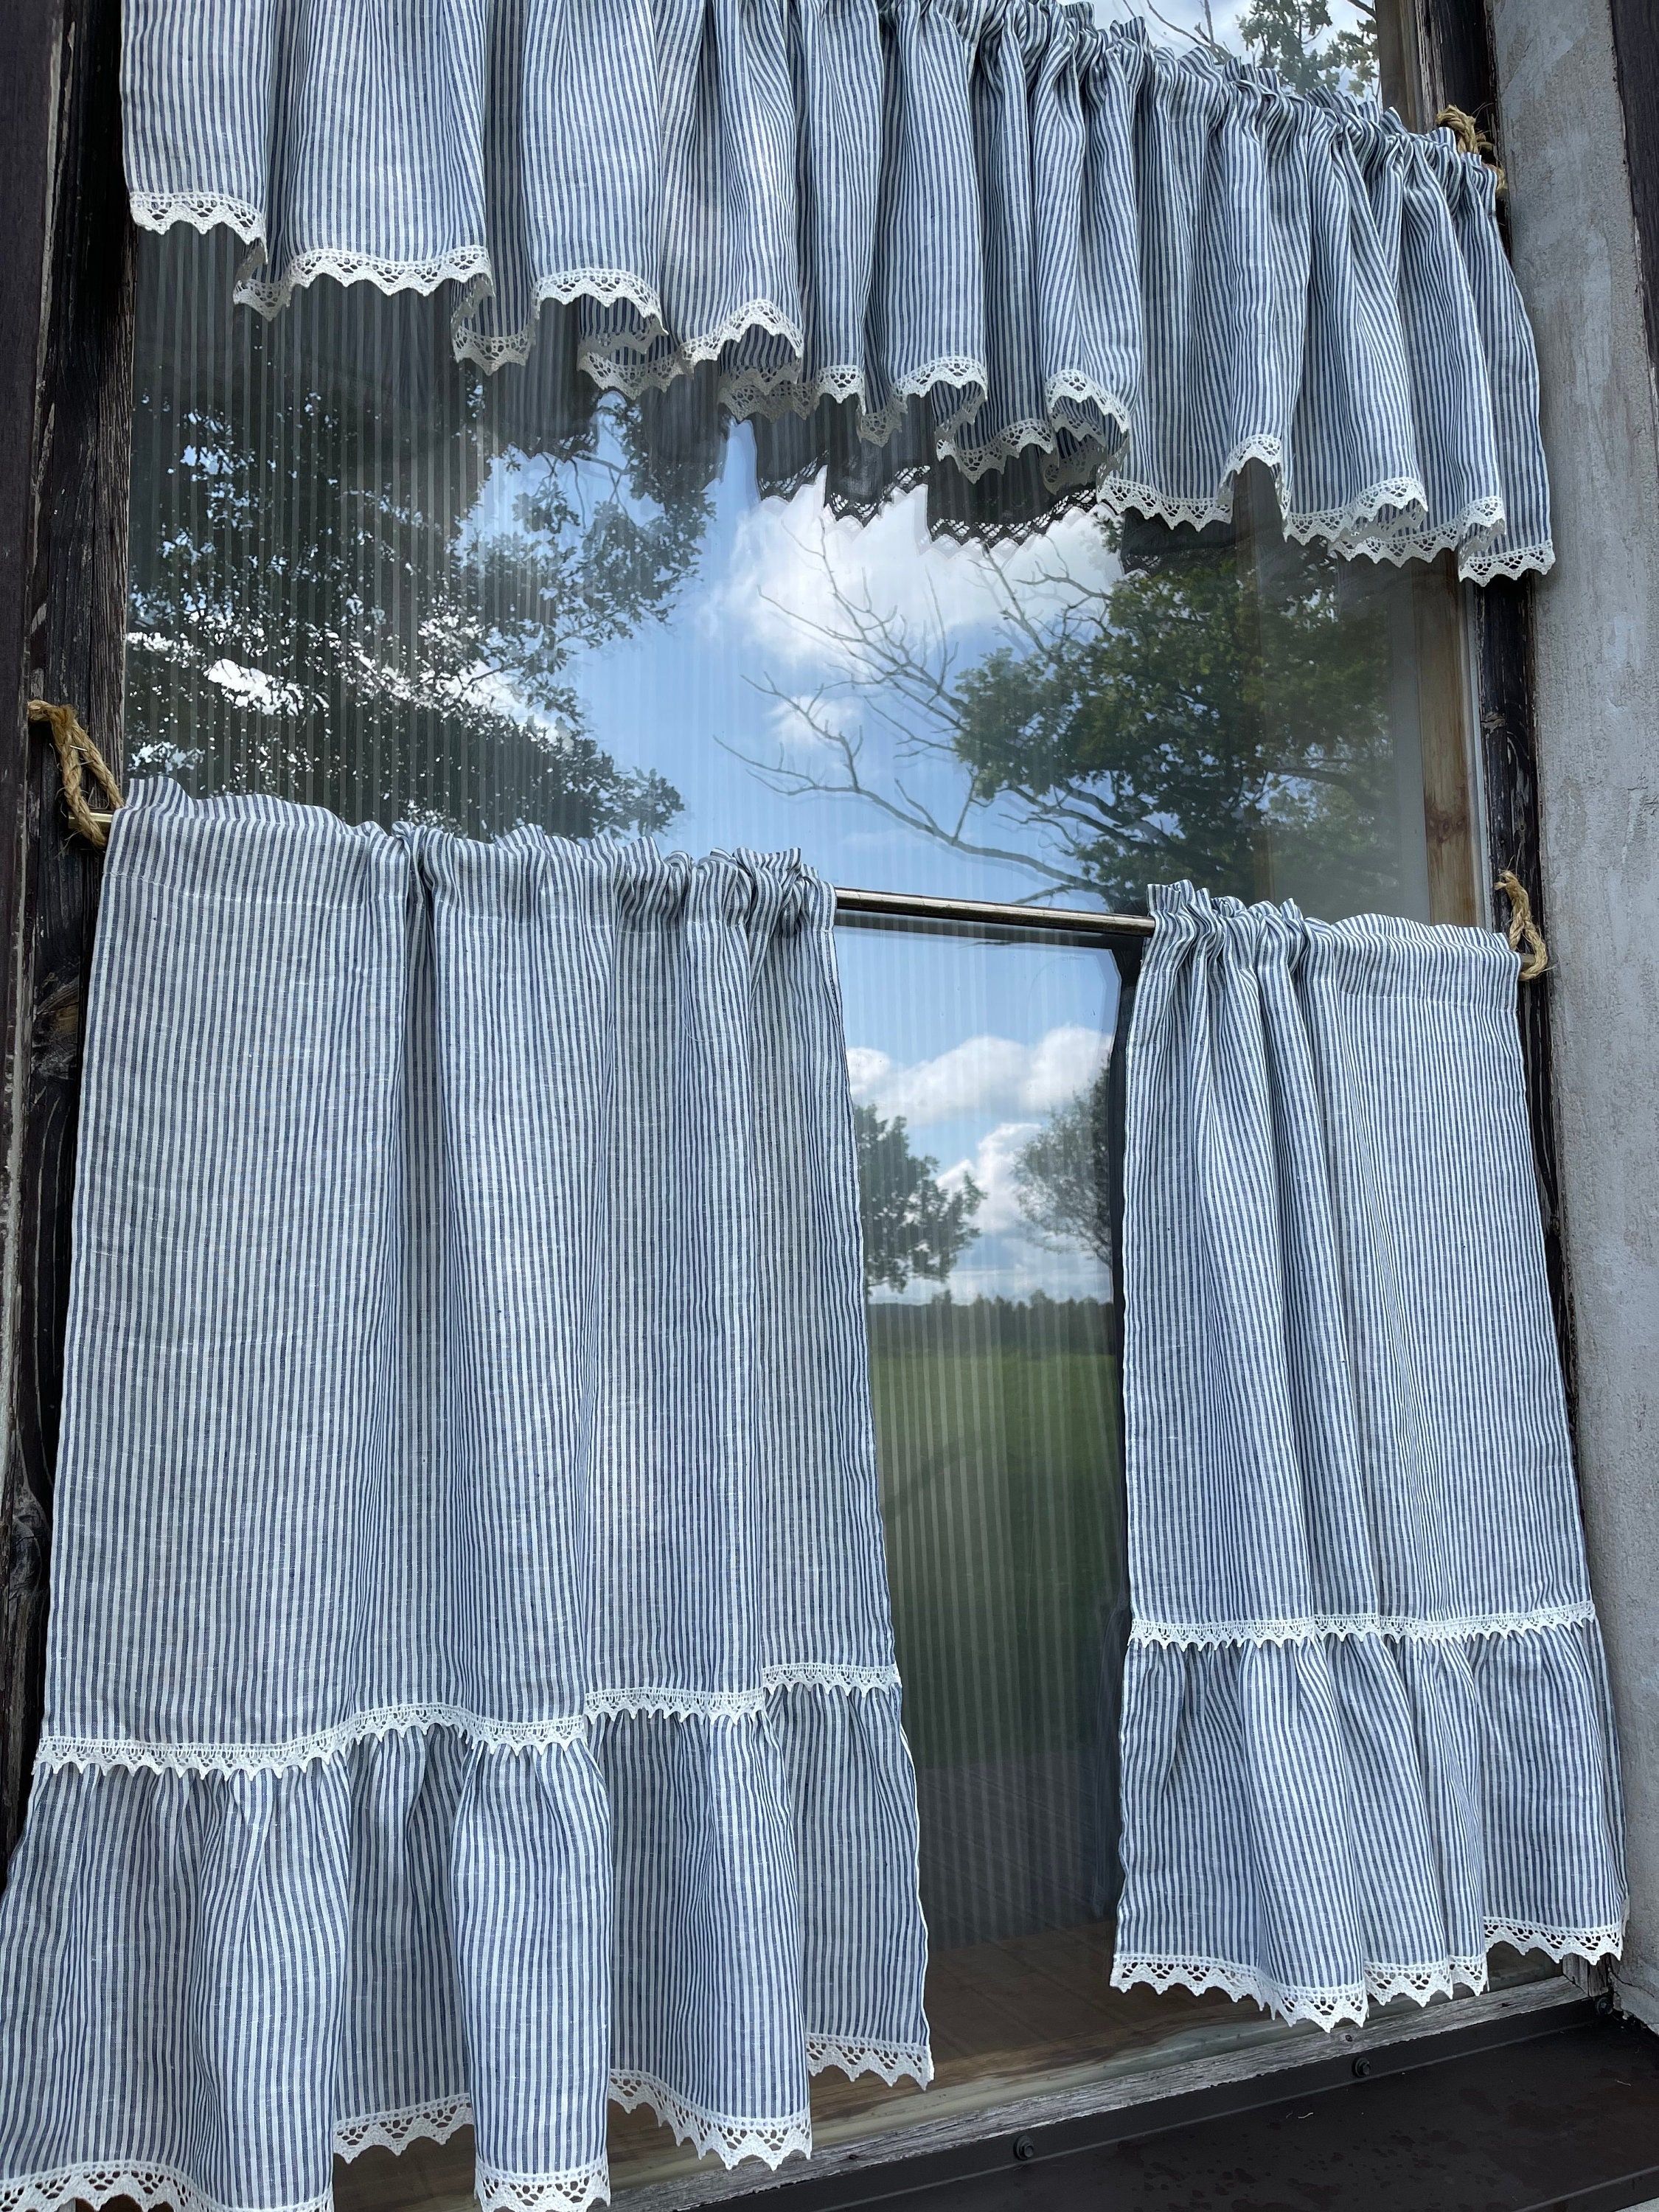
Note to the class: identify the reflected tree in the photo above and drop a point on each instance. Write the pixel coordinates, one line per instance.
(913, 1225)
(1061, 1176)
(384, 621)
(1211, 710)
(1297, 38)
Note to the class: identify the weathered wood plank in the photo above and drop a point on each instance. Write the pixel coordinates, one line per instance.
(1452, 44)
(63, 490)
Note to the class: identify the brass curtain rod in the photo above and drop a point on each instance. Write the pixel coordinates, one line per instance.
(79, 758)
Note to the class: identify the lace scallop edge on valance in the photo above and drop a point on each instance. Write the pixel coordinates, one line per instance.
(748, 392)
(1328, 2008)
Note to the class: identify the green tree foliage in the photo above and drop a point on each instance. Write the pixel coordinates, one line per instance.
(1296, 38)
(913, 1226)
(376, 606)
(1210, 724)
(1214, 708)
(1060, 1176)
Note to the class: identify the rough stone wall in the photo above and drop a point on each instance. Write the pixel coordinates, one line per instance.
(1598, 742)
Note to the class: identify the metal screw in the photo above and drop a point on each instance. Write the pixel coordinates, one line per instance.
(1024, 2147)
(1362, 2068)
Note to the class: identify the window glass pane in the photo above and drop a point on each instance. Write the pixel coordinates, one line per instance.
(365, 576)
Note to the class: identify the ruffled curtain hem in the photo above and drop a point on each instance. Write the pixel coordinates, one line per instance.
(1385, 523)
(729, 2139)
(1327, 2008)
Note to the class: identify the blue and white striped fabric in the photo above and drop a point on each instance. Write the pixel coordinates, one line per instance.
(471, 1682)
(1152, 270)
(1366, 1727)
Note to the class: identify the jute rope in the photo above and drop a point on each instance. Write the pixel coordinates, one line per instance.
(1537, 958)
(1472, 140)
(76, 756)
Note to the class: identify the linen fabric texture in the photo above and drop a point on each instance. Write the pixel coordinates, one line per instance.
(471, 1682)
(1148, 268)
(1366, 1726)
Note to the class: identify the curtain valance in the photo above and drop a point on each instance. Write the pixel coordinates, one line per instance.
(1148, 269)
(1366, 1723)
(467, 1567)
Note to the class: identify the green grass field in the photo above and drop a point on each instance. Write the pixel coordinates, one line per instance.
(1001, 1494)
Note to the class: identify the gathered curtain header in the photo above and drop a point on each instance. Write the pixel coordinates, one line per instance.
(1053, 235)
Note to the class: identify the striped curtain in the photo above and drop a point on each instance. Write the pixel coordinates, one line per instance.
(1366, 1727)
(1144, 270)
(468, 1571)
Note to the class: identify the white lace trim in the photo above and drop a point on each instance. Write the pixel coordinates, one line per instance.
(1481, 568)
(463, 264)
(434, 2122)
(230, 1758)
(1314, 1628)
(202, 211)
(573, 2191)
(148, 2185)
(1558, 1943)
(892, 2061)
(103, 1753)
(616, 363)
(729, 2139)
(1382, 1982)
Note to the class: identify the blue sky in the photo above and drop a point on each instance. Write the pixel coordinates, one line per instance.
(974, 1044)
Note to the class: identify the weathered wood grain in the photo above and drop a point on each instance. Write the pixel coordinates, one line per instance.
(66, 271)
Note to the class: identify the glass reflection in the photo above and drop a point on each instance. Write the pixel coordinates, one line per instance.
(368, 578)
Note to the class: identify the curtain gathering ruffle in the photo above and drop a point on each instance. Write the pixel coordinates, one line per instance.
(1149, 270)
(470, 1688)
(1367, 1731)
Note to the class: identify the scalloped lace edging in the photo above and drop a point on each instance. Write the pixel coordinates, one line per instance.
(434, 2122)
(1325, 2008)
(892, 2062)
(731, 2140)
(572, 2192)
(148, 2185)
(231, 1759)
(626, 362)
(561, 1733)
(202, 211)
(1339, 1627)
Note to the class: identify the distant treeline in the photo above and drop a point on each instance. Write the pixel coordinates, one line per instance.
(1041, 1326)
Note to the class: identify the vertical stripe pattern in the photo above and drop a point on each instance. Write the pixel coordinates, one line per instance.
(1143, 269)
(471, 1684)
(1366, 1728)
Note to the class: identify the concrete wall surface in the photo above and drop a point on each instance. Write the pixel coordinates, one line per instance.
(1598, 740)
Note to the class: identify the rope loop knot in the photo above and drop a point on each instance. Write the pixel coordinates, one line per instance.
(1471, 139)
(1537, 958)
(76, 757)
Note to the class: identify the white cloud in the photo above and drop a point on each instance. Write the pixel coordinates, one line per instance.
(799, 578)
(982, 1075)
(995, 1158)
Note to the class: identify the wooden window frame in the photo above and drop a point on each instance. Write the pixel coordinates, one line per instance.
(66, 399)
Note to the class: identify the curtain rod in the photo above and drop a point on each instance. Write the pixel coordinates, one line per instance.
(1071, 921)
(77, 755)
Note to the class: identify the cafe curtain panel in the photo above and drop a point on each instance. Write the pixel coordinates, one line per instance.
(1366, 1729)
(471, 1684)
(1056, 238)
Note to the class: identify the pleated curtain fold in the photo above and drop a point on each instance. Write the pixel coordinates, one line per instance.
(1366, 1727)
(471, 1687)
(1056, 238)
